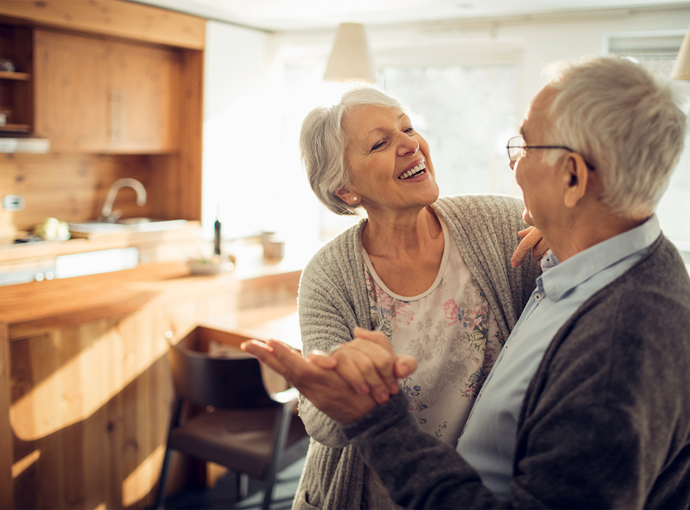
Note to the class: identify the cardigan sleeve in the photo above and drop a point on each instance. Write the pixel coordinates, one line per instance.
(580, 452)
(417, 469)
(326, 320)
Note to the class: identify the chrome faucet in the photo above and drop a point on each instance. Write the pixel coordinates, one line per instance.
(107, 214)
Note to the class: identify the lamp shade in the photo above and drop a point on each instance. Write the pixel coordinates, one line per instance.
(350, 59)
(681, 70)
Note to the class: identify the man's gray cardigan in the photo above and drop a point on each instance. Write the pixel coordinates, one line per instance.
(605, 422)
(333, 300)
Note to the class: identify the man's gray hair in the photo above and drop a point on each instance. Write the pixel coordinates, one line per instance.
(622, 120)
(323, 142)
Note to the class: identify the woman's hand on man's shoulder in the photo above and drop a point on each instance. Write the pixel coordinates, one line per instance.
(532, 242)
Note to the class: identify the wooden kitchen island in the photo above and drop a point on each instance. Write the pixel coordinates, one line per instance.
(85, 388)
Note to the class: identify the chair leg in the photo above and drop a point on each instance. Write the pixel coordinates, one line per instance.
(282, 427)
(268, 494)
(243, 485)
(163, 482)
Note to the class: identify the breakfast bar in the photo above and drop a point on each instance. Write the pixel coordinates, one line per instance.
(85, 389)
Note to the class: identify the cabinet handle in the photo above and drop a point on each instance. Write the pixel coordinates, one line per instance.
(114, 115)
(118, 114)
(123, 115)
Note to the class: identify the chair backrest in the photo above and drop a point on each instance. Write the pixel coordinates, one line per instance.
(222, 382)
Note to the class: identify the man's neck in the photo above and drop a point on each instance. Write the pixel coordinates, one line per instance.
(585, 232)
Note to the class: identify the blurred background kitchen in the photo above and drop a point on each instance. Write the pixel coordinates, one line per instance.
(152, 190)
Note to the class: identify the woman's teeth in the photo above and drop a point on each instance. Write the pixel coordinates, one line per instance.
(413, 171)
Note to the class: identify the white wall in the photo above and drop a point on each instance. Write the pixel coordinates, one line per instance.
(241, 129)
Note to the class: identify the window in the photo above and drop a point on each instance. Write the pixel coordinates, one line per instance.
(657, 52)
(466, 113)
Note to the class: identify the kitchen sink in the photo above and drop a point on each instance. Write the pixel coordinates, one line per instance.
(126, 225)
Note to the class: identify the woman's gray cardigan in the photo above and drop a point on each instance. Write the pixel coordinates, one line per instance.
(333, 300)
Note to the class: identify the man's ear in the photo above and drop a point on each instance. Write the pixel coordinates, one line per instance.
(575, 176)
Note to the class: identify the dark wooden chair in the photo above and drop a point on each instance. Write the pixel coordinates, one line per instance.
(241, 426)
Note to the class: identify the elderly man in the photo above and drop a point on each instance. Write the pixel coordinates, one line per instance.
(588, 405)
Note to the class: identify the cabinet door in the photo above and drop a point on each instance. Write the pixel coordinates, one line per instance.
(145, 81)
(72, 91)
(95, 95)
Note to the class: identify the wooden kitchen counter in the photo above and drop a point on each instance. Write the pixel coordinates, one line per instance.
(33, 308)
(85, 388)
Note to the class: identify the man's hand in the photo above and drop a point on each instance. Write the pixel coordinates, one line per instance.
(532, 241)
(368, 363)
(322, 386)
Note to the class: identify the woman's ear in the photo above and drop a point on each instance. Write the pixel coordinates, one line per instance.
(347, 196)
(576, 176)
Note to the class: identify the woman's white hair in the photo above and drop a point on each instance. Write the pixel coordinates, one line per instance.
(623, 121)
(323, 142)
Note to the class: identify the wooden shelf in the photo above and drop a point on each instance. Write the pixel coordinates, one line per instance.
(4, 75)
(15, 128)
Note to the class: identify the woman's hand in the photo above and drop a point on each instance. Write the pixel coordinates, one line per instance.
(322, 386)
(532, 241)
(368, 364)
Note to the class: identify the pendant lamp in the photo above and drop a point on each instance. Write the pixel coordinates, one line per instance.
(350, 58)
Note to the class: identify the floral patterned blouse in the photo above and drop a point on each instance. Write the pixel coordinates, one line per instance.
(451, 332)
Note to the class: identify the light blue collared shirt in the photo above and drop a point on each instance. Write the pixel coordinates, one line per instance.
(488, 440)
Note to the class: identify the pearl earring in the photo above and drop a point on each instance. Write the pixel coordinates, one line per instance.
(354, 199)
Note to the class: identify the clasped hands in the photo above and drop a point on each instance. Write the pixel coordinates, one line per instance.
(355, 376)
(346, 383)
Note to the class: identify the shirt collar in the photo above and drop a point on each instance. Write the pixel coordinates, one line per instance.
(559, 278)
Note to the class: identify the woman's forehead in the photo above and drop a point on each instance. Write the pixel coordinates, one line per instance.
(362, 120)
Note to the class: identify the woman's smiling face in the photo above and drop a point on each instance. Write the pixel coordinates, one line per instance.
(389, 163)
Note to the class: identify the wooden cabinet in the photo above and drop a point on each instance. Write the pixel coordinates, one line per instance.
(103, 82)
(98, 95)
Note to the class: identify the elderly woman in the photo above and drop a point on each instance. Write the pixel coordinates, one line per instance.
(434, 274)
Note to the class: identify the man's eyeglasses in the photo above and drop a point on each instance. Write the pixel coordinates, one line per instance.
(516, 146)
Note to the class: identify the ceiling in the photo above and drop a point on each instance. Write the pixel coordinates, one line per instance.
(291, 15)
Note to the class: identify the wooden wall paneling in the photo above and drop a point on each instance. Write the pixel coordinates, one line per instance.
(7, 185)
(114, 411)
(95, 374)
(70, 187)
(112, 17)
(36, 416)
(76, 382)
(188, 174)
(164, 182)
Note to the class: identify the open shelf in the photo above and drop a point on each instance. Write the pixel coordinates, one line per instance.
(4, 75)
(15, 128)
